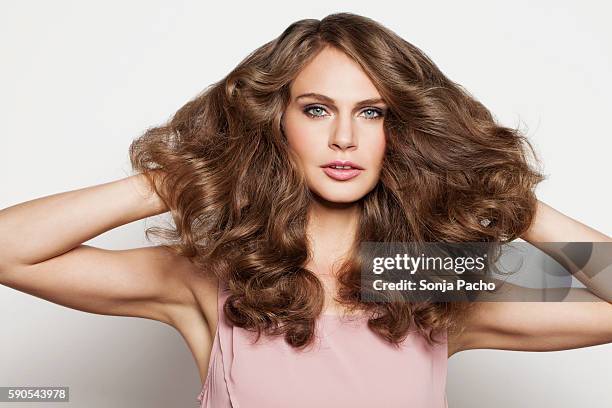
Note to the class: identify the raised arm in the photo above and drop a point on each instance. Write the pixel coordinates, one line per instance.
(543, 326)
(42, 253)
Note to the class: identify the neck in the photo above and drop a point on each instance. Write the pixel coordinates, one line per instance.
(331, 230)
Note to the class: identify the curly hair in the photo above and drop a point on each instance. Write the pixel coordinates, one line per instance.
(239, 198)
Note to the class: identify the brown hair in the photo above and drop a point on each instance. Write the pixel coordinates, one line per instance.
(239, 199)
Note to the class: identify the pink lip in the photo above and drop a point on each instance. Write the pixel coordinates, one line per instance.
(343, 163)
(340, 174)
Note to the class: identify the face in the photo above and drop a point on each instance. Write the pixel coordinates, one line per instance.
(335, 113)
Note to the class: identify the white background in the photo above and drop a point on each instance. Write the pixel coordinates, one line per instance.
(80, 80)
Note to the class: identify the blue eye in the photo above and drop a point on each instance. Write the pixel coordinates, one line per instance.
(378, 112)
(308, 109)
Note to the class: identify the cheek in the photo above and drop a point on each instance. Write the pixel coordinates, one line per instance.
(299, 144)
(377, 148)
(299, 137)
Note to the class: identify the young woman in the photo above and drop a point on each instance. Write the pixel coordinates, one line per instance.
(334, 133)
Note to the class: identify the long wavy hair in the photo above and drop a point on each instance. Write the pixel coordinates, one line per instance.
(239, 199)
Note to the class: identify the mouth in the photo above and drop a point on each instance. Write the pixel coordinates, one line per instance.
(342, 170)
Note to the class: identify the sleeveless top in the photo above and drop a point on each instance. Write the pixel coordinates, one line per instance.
(349, 366)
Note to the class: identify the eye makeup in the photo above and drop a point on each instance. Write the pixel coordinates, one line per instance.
(380, 112)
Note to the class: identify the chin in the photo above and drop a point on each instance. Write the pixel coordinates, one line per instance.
(340, 194)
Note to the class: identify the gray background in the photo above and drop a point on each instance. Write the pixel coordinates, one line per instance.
(80, 80)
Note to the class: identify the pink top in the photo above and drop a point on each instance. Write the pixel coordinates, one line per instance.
(348, 367)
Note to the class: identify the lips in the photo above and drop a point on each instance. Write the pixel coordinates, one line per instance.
(343, 163)
(342, 174)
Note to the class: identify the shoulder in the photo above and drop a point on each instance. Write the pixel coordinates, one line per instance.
(530, 324)
(197, 289)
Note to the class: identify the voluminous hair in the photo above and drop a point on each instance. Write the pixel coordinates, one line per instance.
(239, 199)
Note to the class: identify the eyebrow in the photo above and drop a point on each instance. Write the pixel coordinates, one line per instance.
(330, 100)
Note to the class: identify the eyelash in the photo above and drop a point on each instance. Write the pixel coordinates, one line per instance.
(306, 109)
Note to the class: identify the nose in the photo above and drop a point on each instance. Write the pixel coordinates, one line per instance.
(343, 137)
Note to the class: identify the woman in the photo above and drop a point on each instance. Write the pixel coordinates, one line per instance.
(335, 133)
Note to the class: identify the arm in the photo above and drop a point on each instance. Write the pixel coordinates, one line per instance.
(41, 253)
(551, 226)
(542, 326)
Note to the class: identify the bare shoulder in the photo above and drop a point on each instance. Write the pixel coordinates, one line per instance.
(453, 343)
(581, 320)
(148, 282)
(200, 305)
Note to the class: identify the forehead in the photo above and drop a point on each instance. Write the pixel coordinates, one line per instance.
(335, 74)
